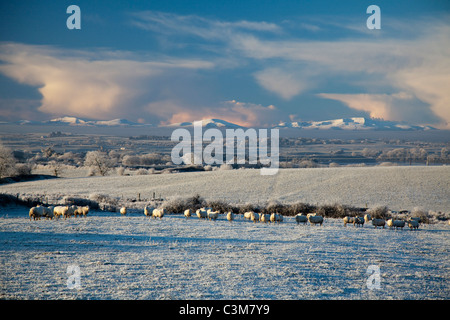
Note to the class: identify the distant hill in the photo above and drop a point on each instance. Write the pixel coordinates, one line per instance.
(74, 121)
(359, 123)
(208, 123)
(356, 123)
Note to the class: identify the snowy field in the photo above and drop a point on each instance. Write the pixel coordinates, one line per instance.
(134, 257)
(398, 188)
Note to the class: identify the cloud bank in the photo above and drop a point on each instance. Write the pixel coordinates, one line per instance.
(387, 76)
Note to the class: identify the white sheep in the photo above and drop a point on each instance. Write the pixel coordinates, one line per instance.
(123, 211)
(158, 213)
(212, 215)
(413, 224)
(36, 212)
(395, 223)
(48, 212)
(254, 217)
(202, 213)
(59, 211)
(359, 221)
(83, 211)
(378, 223)
(348, 220)
(248, 215)
(187, 213)
(315, 219)
(71, 211)
(265, 217)
(230, 216)
(275, 217)
(300, 218)
(148, 211)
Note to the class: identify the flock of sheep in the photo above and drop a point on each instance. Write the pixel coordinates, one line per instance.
(413, 223)
(51, 212)
(39, 212)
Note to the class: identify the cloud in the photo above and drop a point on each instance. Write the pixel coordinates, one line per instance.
(398, 107)
(112, 84)
(241, 113)
(418, 66)
(210, 29)
(285, 84)
(397, 76)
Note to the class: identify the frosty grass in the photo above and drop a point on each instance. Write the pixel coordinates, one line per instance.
(134, 257)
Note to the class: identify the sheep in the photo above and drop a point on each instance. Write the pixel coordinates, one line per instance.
(300, 218)
(378, 223)
(82, 211)
(123, 211)
(202, 214)
(187, 213)
(230, 216)
(359, 221)
(59, 211)
(212, 215)
(348, 219)
(314, 219)
(248, 215)
(48, 212)
(148, 211)
(158, 213)
(395, 223)
(265, 217)
(414, 218)
(367, 217)
(275, 217)
(254, 217)
(413, 224)
(70, 211)
(36, 212)
(399, 224)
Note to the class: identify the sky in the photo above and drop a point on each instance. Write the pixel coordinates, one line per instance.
(253, 63)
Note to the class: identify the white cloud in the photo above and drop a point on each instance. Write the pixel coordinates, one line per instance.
(417, 66)
(241, 113)
(77, 84)
(210, 29)
(287, 85)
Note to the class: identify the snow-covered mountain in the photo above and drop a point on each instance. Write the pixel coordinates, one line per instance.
(357, 123)
(208, 123)
(74, 121)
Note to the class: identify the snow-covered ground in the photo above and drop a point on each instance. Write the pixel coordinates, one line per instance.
(398, 188)
(134, 257)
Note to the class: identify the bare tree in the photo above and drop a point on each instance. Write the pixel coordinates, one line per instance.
(56, 168)
(99, 162)
(7, 162)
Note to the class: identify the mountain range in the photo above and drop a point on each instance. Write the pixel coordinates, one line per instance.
(356, 123)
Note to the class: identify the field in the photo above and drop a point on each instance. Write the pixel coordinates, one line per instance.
(134, 257)
(398, 188)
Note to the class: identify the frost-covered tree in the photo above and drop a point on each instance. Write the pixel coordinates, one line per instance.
(99, 162)
(56, 168)
(7, 162)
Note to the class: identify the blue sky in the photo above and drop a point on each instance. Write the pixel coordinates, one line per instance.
(250, 62)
